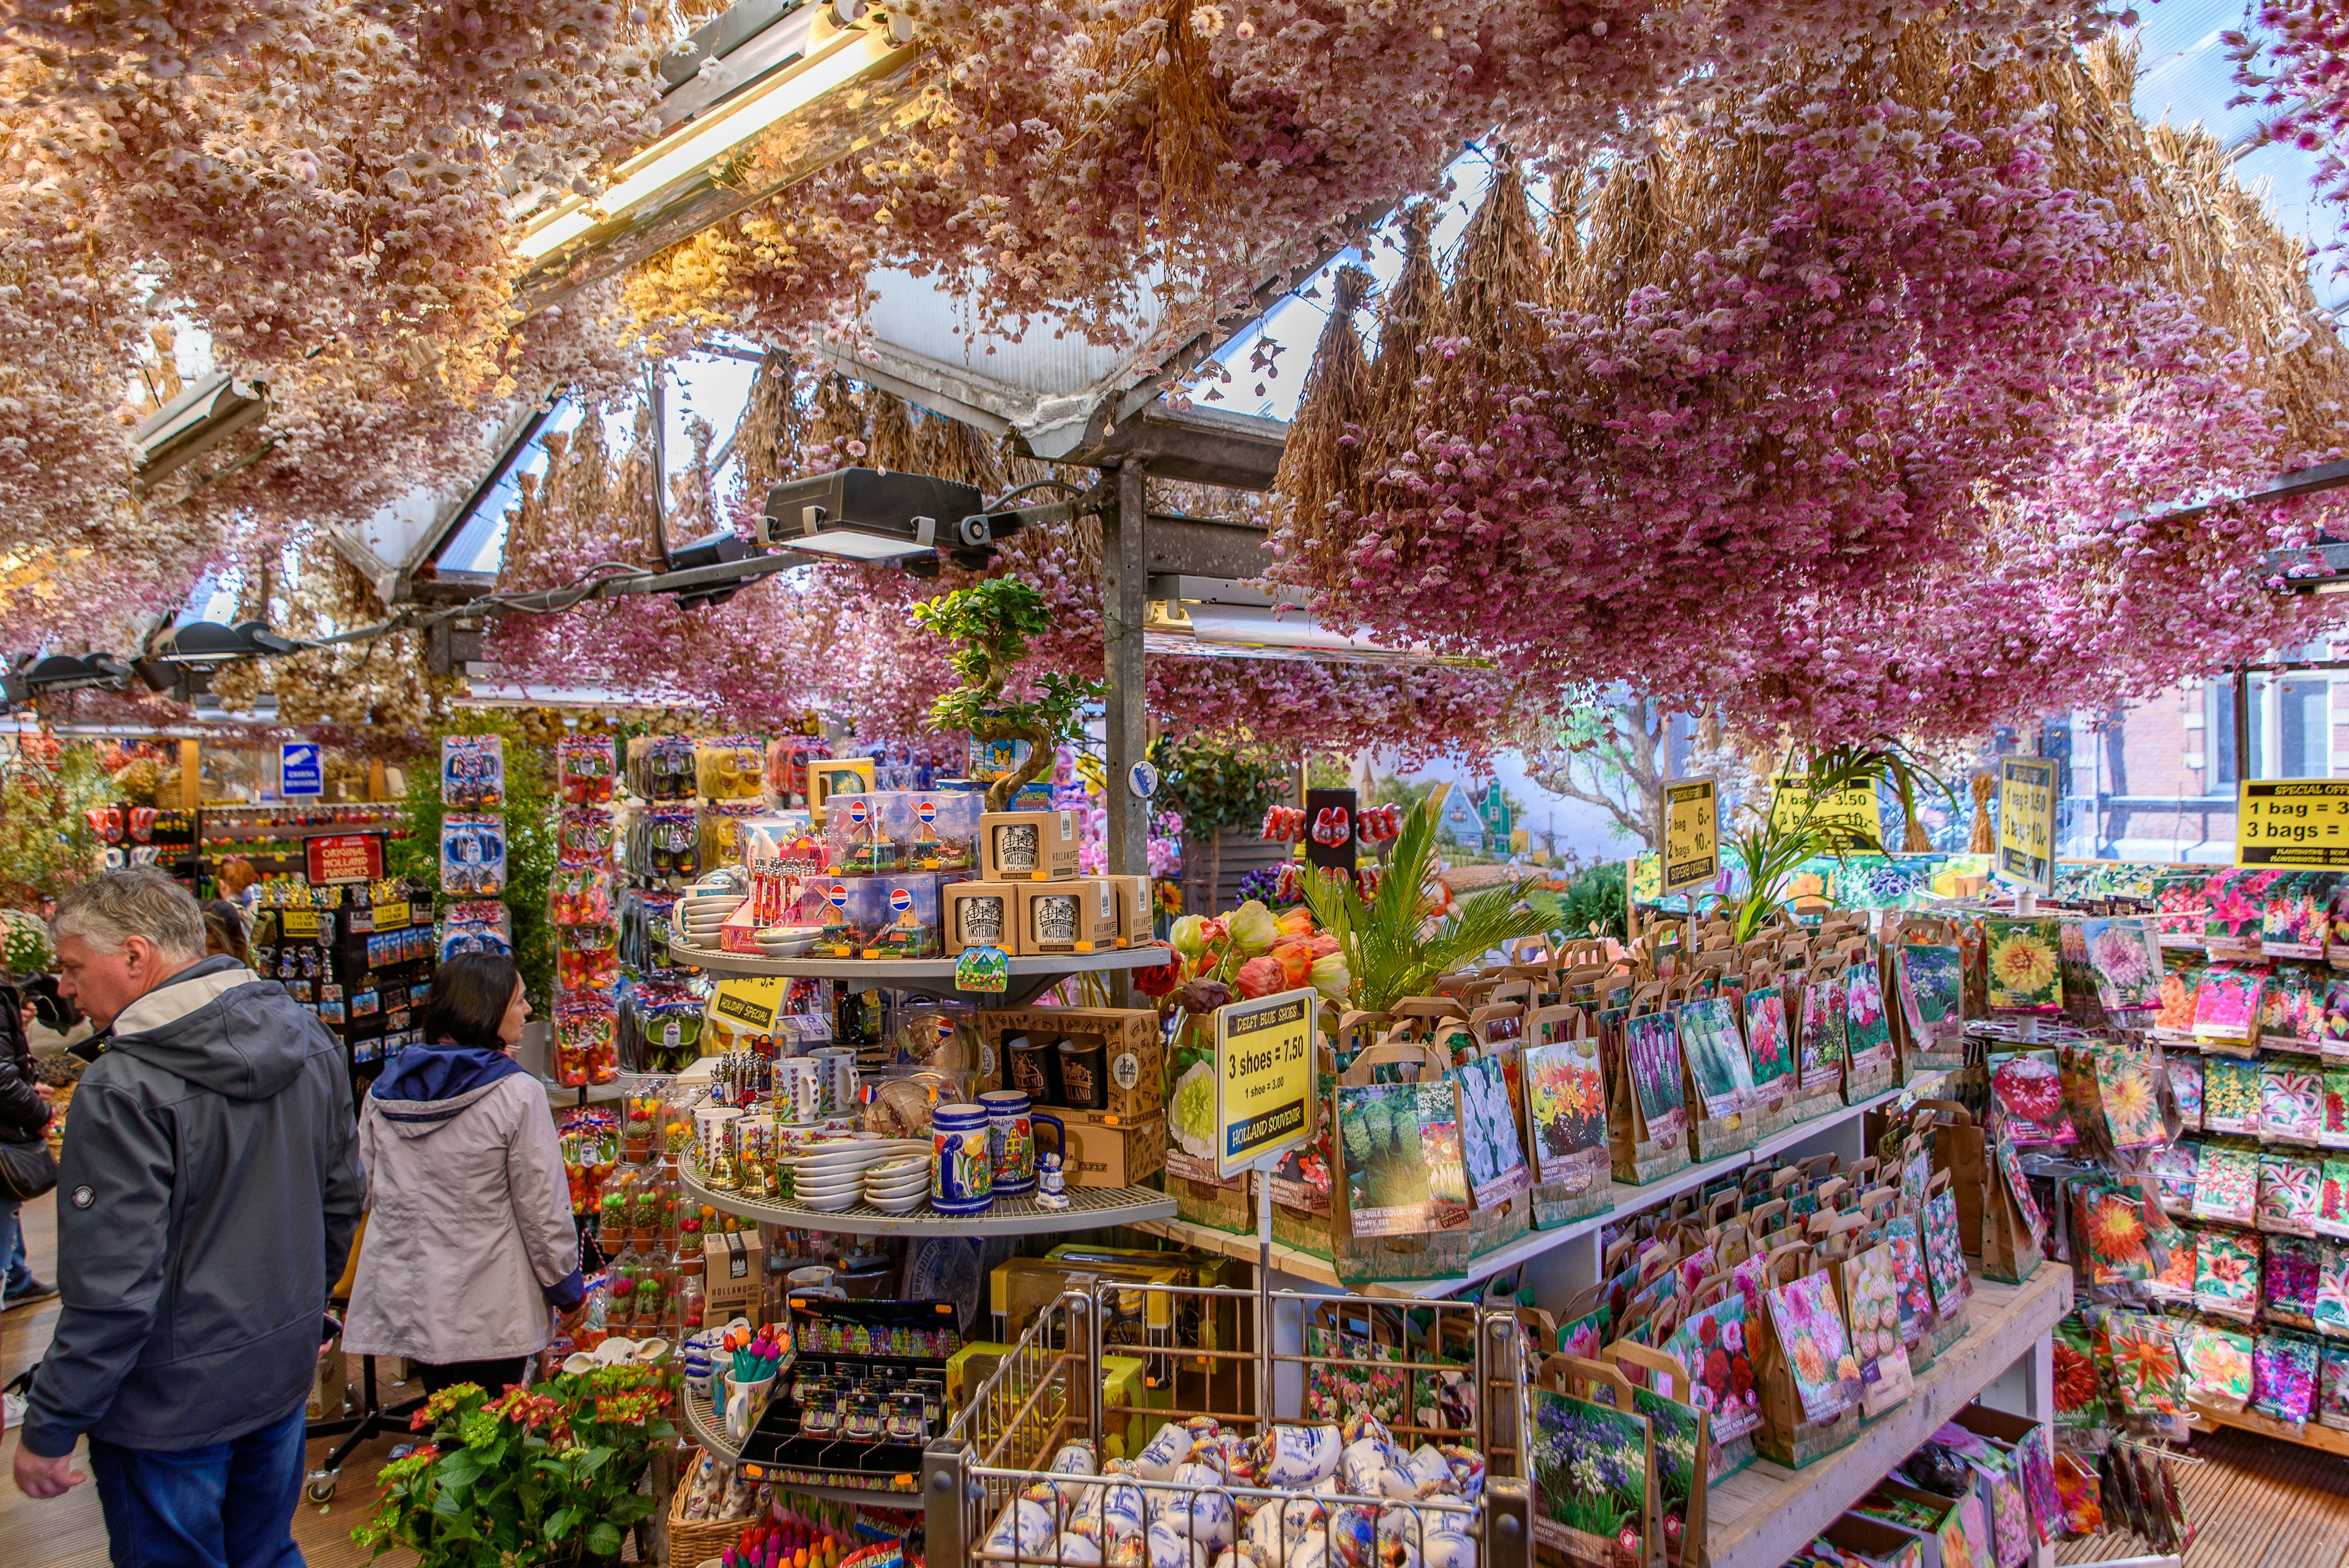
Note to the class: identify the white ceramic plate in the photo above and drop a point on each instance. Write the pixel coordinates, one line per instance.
(896, 1189)
(833, 1205)
(899, 1205)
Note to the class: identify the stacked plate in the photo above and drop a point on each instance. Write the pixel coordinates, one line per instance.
(899, 1186)
(702, 912)
(829, 1176)
(787, 940)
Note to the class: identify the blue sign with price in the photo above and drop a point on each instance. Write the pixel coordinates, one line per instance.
(302, 771)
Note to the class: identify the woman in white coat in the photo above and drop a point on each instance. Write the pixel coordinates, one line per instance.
(470, 1238)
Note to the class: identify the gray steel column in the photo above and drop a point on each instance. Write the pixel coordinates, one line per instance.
(1123, 589)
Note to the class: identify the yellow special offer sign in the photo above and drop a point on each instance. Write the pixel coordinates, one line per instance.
(2026, 822)
(1848, 816)
(1264, 1079)
(2292, 823)
(1692, 834)
(749, 1000)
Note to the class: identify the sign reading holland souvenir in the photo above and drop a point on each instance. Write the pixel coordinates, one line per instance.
(2292, 823)
(1264, 1079)
(1846, 816)
(2026, 822)
(1692, 834)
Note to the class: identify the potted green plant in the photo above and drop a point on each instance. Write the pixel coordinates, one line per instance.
(544, 1477)
(992, 621)
(1778, 841)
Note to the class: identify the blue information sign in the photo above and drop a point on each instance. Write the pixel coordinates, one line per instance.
(302, 771)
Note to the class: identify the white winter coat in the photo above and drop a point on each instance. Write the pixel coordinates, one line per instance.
(470, 1224)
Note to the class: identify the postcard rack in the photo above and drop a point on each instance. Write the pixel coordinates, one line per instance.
(1432, 1372)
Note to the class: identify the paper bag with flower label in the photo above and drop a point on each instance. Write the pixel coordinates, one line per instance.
(2013, 1227)
(1803, 1362)
(1565, 1116)
(1594, 1467)
(1647, 1112)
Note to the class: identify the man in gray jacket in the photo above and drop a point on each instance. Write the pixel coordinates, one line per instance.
(205, 1204)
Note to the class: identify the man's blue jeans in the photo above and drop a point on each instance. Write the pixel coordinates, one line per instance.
(227, 1506)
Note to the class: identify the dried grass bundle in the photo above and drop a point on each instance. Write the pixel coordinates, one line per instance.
(1320, 464)
(767, 441)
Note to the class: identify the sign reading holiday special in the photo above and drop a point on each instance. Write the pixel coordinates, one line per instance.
(1264, 1079)
(2026, 822)
(1692, 834)
(2300, 823)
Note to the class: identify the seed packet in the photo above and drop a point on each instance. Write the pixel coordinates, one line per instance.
(2226, 1274)
(2034, 1463)
(1810, 1329)
(1771, 1052)
(2332, 1039)
(1488, 1133)
(2029, 1095)
(2290, 1272)
(2125, 1086)
(2024, 959)
(2110, 1223)
(473, 772)
(1717, 1062)
(1872, 1311)
(2079, 1396)
(1405, 1170)
(1594, 1474)
(1908, 1272)
(2227, 1003)
(2077, 1484)
(2185, 1087)
(1711, 1344)
(2226, 1184)
(2291, 1191)
(2173, 1168)
(2174, 1282)
(1868, 1033)
(2335, 1131)
(1945, 1265)
(1566, 1107)
(1930, 978)
(2291, 1011)
(1653, 1043)
(2295, 919)
(2333, 1389)
(2292, 1100)
(2231, 1096)
(2144, 1363)
(2333, 1199)
(2173, 1019)
(2218, 1362)
(1822, 1036)
(2125, 958)
(2231, 927)
(2283, 1375)
(2331, 1314)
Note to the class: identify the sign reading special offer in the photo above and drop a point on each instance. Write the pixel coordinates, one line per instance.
(1264, 1079)
(2295, 823)
(1692, 834)
(2026, 822)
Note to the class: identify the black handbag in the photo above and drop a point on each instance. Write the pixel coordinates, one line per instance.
(26, 1169)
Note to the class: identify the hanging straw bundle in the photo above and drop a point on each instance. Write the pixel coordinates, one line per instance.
(1320, 464)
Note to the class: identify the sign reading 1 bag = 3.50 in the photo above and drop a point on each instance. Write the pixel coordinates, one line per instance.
(2292, 823)
(2026, 822)
(1692, 834)
(1264, 1079)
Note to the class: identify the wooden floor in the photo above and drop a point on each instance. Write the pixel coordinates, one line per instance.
(2255, 1501)
(68, 1532)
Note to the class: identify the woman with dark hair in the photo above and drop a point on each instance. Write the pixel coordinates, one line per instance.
(470, 1237)
(224, 930)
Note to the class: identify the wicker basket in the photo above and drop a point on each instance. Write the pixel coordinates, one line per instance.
(693, 1541)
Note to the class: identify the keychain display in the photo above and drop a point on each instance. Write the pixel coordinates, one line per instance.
(473, 772)
(583, 765)
(476, 927)
(586, 1039)
(661, 768)
(472, 854)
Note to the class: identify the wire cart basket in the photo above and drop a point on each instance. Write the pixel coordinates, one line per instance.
(1431, 1372)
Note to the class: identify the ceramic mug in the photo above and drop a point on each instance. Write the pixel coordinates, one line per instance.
(798, 1088)
(1011, 1141)
(835, 1069)
(745, 1403)
(962, 1167)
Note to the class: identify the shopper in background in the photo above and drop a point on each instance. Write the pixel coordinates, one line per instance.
(224, 931)
(24, 1122)
(469, 1235)
(209, 1189)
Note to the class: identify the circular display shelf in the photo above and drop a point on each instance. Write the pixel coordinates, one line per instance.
(701, 1417)
(935, 973)
(1090, 1208)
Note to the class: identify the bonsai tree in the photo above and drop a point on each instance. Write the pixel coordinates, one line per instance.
(992, 621)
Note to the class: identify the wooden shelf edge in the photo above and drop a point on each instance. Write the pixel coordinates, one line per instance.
(1762, 1515)
(2311, 1436)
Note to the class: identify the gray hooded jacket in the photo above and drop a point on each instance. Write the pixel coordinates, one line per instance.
(205, 1204)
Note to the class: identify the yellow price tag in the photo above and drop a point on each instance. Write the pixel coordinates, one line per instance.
(2026, 822)
(1848, 816)
(749, 1000)
(1264, 1079)
(2301, 823)
(1692, 834)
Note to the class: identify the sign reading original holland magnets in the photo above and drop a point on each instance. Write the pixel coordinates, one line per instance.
(1264, 1079)
(2294, 823)
(1692, 834)
(2026, 822)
